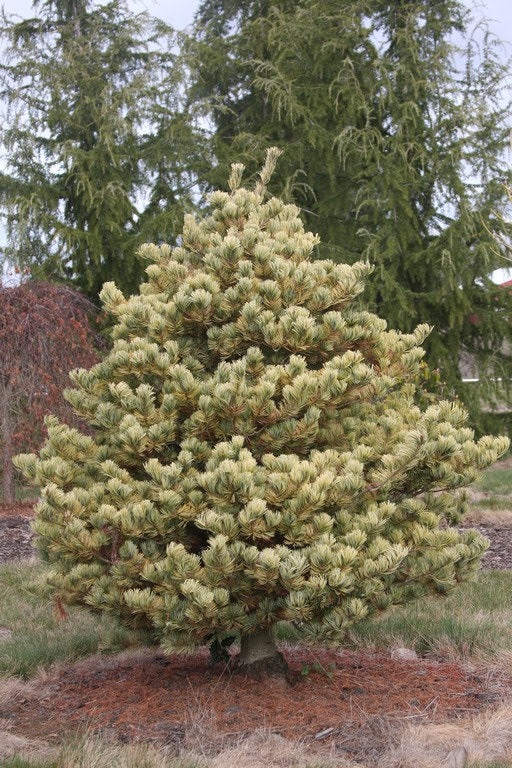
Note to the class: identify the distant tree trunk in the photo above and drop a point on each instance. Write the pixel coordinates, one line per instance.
(7, 448)
(259, 655)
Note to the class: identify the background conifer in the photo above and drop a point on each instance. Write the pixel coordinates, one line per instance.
(394, 118)
(99, 155)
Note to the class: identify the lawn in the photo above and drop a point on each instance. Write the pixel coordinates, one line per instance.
(497, 481)
(39, 638)
(92, 753)
(475, 620)
(491, 498)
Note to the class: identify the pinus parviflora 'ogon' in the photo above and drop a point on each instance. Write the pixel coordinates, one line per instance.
(257, 453)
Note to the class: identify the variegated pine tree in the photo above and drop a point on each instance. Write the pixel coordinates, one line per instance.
(257, 453)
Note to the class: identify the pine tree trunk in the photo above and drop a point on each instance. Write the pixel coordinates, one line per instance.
(259, 656)
(7, 449)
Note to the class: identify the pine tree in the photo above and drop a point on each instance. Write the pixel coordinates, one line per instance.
(395, 139)
(95, 139)
(257, 453)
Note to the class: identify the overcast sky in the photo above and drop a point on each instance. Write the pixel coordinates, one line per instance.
(179, 13)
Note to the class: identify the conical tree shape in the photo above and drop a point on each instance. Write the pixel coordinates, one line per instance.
(257, 453)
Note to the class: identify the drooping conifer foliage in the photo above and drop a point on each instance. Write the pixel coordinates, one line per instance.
(257, 455)
(94, 139)
(394, 118)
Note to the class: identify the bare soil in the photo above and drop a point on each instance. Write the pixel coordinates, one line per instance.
(348, 708)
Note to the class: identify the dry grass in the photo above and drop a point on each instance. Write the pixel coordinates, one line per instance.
(264, 750)
(90, 753)
(12, 745)
(486, 739)
(18, 749)
(12, 688)
(484, 742)
(494, 516)
(260, 750)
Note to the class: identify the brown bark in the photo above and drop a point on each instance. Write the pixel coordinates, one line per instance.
(259, 656)
(7, 449)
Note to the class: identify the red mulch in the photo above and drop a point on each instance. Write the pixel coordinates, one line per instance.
(158, 698)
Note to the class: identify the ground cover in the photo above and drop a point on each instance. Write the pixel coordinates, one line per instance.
(479, 741)
(498, 479)
(157, 698)
(491, 498)
(32, 636)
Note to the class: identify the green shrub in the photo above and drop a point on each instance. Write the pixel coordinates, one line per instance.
(257, 453)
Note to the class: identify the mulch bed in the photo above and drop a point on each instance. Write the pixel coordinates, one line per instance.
(160, 699)
(499, 555)
(15, 534)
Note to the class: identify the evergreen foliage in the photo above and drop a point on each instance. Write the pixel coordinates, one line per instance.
(395, 123)
(257, 452)
(95, 141)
